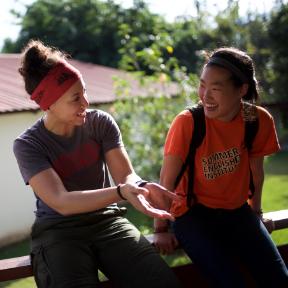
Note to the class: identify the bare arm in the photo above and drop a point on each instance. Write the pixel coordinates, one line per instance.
(256, 165)
(49, 187)
(170, 169)
(120, 166)
(122, 171)
(257, 169)
(164, 240)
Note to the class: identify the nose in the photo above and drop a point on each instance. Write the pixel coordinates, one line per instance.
(203, 93)
(206, 93)
(84, 102)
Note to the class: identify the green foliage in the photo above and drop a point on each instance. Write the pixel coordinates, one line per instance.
(278, 30)
(144, 121)
(257, 45)
(21, 249)
(86, 29)
(96, 31)
(150, 53)
(186, 44)
(82, 28)
(275, 189)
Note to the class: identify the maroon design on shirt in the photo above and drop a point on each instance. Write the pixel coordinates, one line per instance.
(84, 156)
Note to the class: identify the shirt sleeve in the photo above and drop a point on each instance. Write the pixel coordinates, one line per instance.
(29, 159)
(266, 140)
(179, 135)
(106, 131)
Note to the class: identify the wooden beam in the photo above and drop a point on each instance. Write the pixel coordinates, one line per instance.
(15, 268)
(280, 218)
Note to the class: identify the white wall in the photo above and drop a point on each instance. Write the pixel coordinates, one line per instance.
(17, 201)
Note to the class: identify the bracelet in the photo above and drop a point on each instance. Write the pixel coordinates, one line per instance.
(141, 183)
(118, 189)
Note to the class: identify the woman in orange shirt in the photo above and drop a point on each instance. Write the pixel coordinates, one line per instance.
(221, 226)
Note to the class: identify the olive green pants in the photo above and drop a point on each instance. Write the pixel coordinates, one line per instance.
(69, 253)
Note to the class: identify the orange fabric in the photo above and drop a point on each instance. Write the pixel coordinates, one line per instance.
(221, 162)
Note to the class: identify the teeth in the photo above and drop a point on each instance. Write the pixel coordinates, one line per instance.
(211, 105)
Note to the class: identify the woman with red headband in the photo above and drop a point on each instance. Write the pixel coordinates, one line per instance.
(65, 157)
(217, 224)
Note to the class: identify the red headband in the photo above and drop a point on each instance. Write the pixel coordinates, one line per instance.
(58, 80)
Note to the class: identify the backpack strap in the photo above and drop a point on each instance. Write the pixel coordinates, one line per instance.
(198, 135)
(251, 129)
(251, 120)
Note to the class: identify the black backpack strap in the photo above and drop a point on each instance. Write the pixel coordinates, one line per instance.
(198, 135)
(251, 128)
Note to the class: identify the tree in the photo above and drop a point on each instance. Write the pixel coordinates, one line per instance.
(72, 26)
(144, 121)
(278, 31)
(86, 29)
(258, 46)
(96, 31)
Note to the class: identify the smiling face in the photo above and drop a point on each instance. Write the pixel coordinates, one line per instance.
(68, 111)
(220, 97)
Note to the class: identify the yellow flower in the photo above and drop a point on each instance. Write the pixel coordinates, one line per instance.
(169, 49)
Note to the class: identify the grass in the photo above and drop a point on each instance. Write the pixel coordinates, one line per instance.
(275, 197)
(275, 190)
(23, 283)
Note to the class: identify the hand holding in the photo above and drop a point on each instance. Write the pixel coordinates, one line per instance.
(140, 198)
(159, 196)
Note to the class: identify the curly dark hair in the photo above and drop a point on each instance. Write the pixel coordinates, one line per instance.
(36, 61)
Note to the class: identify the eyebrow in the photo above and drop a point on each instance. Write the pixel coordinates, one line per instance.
(218, 83)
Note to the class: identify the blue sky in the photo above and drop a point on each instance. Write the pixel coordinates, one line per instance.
(168, 8)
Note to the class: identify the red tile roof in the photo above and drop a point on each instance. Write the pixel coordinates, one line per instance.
(98, 79)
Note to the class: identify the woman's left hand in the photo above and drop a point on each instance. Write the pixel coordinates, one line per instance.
(151, 200)
(159, 196)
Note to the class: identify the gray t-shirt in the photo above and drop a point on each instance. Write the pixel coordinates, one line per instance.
(78, 160)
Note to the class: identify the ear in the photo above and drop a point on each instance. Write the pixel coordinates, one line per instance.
(243, 89)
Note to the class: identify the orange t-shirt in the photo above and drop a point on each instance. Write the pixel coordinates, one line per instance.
(221, 170)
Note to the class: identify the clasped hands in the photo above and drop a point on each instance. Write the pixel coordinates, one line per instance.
(152, 199)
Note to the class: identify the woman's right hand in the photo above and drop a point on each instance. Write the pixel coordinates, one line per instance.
(165, 242)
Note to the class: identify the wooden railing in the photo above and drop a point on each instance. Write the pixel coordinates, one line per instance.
(20, 267)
